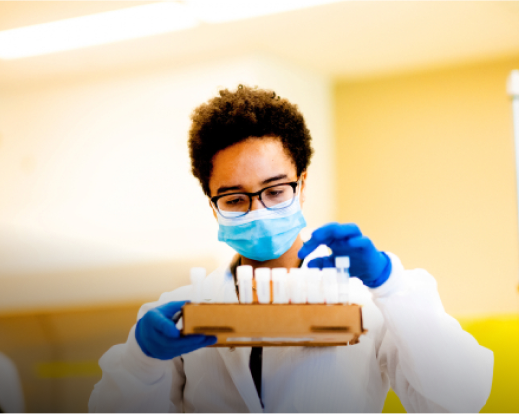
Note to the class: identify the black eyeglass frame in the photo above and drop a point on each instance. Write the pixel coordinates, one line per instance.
(292, 184)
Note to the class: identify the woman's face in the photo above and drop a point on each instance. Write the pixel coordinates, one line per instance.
(251, 165)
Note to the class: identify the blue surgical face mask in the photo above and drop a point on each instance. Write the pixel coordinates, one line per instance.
(262, 234)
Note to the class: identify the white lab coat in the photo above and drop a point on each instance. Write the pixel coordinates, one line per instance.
(11, 394)
(411, 345)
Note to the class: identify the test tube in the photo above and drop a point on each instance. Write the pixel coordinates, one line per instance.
(197, 276)
(279, 283)
(229, 293)
(313, 284)
(290, 286)
(342, 264)
(330, 287)
(298, 285)
(244, 274)
(263, 284)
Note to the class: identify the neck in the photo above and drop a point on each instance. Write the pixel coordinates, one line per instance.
(288, 259)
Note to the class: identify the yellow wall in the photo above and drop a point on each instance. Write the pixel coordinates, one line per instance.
(501, 335)
(425, 166)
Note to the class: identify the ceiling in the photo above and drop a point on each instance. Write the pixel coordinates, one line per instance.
(345, 40)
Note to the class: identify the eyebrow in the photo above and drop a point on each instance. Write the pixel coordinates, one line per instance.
(239, 187)
(276, 178)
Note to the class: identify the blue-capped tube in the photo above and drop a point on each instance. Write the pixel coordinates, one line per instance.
(342, 264)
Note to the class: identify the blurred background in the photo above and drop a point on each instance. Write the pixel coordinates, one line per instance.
(413, 136)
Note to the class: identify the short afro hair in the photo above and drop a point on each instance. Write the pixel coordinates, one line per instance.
(235, 116)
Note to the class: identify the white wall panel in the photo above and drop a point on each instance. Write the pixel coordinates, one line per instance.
(96, 173)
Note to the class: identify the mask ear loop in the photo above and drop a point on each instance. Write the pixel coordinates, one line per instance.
(300, 186)
(300, 190)
(215, 209)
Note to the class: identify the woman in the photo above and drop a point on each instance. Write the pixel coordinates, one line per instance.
(250, 150)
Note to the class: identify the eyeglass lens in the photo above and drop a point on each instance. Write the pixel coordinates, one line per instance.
(272, 198)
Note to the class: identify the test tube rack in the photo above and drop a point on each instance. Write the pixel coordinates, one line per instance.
(275, 324)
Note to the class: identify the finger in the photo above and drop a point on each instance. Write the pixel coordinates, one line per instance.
(195, 341)
(310, 245)
(327, 234)
(187, 350)
(321, 262)
(169, 309)
(207, 341)
(165, 347)
(190, 339)
(163, 325)
(363, 243)
(341, 231)
(316, 263)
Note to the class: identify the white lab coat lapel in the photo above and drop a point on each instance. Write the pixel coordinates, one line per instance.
(237, 362)
(236, 359)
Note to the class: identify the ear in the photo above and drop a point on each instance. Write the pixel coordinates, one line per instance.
(302, 195)
(213, 209)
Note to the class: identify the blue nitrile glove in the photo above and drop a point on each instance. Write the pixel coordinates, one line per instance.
(367, 263)
(159, 338)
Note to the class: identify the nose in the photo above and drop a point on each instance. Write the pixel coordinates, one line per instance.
(256, 203)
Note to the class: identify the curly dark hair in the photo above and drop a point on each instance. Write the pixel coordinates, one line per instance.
(235, 116)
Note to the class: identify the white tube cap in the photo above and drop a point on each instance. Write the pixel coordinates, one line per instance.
(342, 262)
(244, 272)
(263, 273)
(314, 274)
(279, 282)
(279, 272)
(263, 284)
(513, 83)
(313, 287)
(298, 285)
(297, 272)
(197, 275)
(329, 273)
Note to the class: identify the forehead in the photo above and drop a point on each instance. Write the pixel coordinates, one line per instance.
(249, 162)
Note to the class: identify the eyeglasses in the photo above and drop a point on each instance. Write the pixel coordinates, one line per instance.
(275, 197)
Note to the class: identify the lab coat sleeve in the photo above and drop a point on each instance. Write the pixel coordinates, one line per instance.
(134, 382)
(432, 363)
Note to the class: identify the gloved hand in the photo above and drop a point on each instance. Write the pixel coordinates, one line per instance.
(159, 338)
(367, 263)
